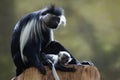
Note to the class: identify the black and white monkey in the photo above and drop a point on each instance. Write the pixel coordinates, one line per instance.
(61, 59)
(33, 35)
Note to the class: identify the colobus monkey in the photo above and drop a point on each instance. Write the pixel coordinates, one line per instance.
(33, 34)
(62, 59)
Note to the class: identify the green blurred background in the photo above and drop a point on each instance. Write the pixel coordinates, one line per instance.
(92, 32)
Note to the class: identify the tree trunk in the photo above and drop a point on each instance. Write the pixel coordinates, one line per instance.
(82, 73)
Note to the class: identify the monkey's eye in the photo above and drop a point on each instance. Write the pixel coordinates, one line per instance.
(44, 13)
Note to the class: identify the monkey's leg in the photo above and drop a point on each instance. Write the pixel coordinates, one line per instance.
(19, 63)
(33, 55)
(46, 60)
(33, 60)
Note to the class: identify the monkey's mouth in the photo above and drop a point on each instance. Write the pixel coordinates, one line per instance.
(55, 22)
(52, 22)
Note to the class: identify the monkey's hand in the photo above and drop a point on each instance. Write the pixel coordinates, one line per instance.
(49, 62)
(41, 69)
(72, 69)
(64, 68)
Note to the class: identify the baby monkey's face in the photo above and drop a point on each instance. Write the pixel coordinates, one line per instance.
(64, 58)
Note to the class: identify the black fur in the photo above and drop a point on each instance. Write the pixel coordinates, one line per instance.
(54, 48)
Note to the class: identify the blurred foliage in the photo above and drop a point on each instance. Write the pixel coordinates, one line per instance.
(92, 32)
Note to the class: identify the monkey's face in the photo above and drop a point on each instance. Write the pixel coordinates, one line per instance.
(64, 57)
(51, 21)
(53, 17)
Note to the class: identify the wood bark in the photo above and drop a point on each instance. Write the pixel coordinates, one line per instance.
(82, 73)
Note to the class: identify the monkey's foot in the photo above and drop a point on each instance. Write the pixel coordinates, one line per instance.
(87, 63)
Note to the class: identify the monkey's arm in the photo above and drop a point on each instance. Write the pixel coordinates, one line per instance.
(15, 42)
(60, 67)
(31, 51)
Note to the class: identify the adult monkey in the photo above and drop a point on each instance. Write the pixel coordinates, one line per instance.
(33, 34)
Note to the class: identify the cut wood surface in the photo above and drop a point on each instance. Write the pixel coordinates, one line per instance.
(82, 73)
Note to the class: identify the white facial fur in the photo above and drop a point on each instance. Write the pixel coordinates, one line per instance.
(61, 53)
(62, 20)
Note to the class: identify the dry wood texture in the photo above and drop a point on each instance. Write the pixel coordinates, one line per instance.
(82, 73)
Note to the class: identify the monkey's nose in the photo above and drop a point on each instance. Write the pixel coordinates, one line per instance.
(56, 19)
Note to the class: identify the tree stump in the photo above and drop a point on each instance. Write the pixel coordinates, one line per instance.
(82, 73)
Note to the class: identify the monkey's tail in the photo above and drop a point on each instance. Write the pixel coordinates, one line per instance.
(55, 73)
